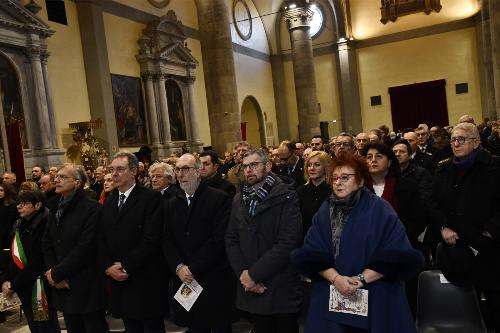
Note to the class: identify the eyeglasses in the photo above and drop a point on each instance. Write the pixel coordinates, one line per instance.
(63, 177)
(460, 139)
(23, 204)
(344, 178)
(251, 166)
(343, 144)
(184, 169)
(118, 169)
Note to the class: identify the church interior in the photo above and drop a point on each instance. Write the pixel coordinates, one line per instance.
(87, 77)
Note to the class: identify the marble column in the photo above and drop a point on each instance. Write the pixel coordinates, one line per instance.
(50, 104)
(298, 20)
(40, 100)
(193, 116)
(347, 78)
(165, 120)
(151, 109)
(219, 72)
(278, 70)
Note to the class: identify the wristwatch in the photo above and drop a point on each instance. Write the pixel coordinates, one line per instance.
(361, 277)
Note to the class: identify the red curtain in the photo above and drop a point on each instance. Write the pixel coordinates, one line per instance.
(244, 131)
(419, 103)
(16, 151)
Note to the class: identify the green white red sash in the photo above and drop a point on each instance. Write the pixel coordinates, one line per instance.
(38, 296)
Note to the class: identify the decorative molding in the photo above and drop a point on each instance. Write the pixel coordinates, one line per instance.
(251, 52)
(297, 18)
(239, 22)
(21, 18)
(392, 9)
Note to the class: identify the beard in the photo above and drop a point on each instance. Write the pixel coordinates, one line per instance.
(190, 186)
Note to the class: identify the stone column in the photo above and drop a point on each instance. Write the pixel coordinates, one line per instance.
(165, 120)
(40, 101)
(347, 78)
(50, 105)
(494, 11)
(280, 103)
(151, 109)
(97, 72)
(219, 72)
(193, 116)
(297, 20)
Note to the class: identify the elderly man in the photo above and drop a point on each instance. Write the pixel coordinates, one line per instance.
(53, 170)
(423, 142)
(98, 183)
(360, 142)
(418, 157)
(467, 215)
(299, 148)
(9, 177)
(48, 186)
(317, 143)
(163, 179)
(235, 174)
(130, 249)
(69, 247)
(466, 119)
(291, 166)
(265, 226)
(208, 171)
(194, 248)
(344, 144)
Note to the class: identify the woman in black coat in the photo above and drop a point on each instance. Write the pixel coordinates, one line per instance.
(317, 188)
(25, 267)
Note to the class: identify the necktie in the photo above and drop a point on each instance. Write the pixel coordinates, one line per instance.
(122, 201)
(189, 198)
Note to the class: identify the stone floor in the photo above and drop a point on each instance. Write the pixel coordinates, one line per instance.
(13, 324)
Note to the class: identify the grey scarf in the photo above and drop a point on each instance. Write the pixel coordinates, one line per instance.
(339, 213)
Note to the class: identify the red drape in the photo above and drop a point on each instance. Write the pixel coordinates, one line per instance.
(244, 131)
(16, 151)
(419, 103)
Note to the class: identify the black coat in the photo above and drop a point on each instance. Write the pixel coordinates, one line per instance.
(70, 250)
(262, 244)
(217, 182)
(8, 215)
(132, 236)
(169, 192)
(470, 206)
(295, 173)
(311, 197)
(31, 233)
(195, 237)
(424, 160)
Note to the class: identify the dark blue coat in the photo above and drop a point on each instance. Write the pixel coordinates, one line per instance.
(373, 238)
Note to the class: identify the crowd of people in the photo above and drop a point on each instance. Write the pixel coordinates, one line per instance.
(270, 234)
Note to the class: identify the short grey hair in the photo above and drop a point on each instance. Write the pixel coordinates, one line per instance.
(197, 162)
(346, 134)
(264, 157)
(78, 172)
(133, 162)
(167, 169)
(469, 128)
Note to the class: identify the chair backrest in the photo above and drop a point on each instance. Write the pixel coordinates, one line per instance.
(444, 307)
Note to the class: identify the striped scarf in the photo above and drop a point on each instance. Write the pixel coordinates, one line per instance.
(253, 197)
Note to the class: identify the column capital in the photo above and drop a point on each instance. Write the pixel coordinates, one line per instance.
(190, 79)
(44, 56)
(148, 76)
(298, 18)
(33, 52)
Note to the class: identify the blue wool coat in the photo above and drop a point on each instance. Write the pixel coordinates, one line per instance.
(373, 237)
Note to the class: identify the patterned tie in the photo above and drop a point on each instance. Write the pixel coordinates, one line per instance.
(122, 201)
(189, 198)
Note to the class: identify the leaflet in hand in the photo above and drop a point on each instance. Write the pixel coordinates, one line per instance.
(187, 294)
(7, 303)
(356, 304)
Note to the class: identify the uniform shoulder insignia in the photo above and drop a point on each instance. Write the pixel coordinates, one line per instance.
(446, 160)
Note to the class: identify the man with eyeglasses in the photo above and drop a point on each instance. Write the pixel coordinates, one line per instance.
(291, 166)
(344, 144)
(467, 216)
(130, 249)
(423, 142)
(265, 226)
(194, 248)
(48, 186)
(70, 253)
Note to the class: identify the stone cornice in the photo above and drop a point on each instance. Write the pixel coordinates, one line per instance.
(27, 20)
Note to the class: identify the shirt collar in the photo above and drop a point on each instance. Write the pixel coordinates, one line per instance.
(127, 193)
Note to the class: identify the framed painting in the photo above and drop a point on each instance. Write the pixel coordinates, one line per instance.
(129, 110)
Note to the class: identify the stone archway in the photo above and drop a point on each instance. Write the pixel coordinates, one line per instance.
(253, 118)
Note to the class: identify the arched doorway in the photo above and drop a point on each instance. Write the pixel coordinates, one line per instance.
(12, 129)
(252, 120)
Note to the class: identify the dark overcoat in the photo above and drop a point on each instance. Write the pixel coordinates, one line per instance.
(262, 244)
(132, 236)
(470, 206)
(194, 236)
(70, 250)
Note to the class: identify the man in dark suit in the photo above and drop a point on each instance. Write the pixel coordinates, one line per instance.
(69, 247)
(98, 183)
(209, 173)
(163, 179)
(194, 248)
(130, 251)
(291, 166)
(418, 157)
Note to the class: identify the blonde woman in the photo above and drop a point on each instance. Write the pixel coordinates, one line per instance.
(317, 188)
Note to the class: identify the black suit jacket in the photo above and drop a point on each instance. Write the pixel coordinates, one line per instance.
(132, 236)
(69, 247)
(195, 237)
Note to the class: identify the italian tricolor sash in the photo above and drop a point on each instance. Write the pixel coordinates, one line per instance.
(38, 296)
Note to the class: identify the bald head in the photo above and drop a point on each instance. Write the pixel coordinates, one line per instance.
(411, 137)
